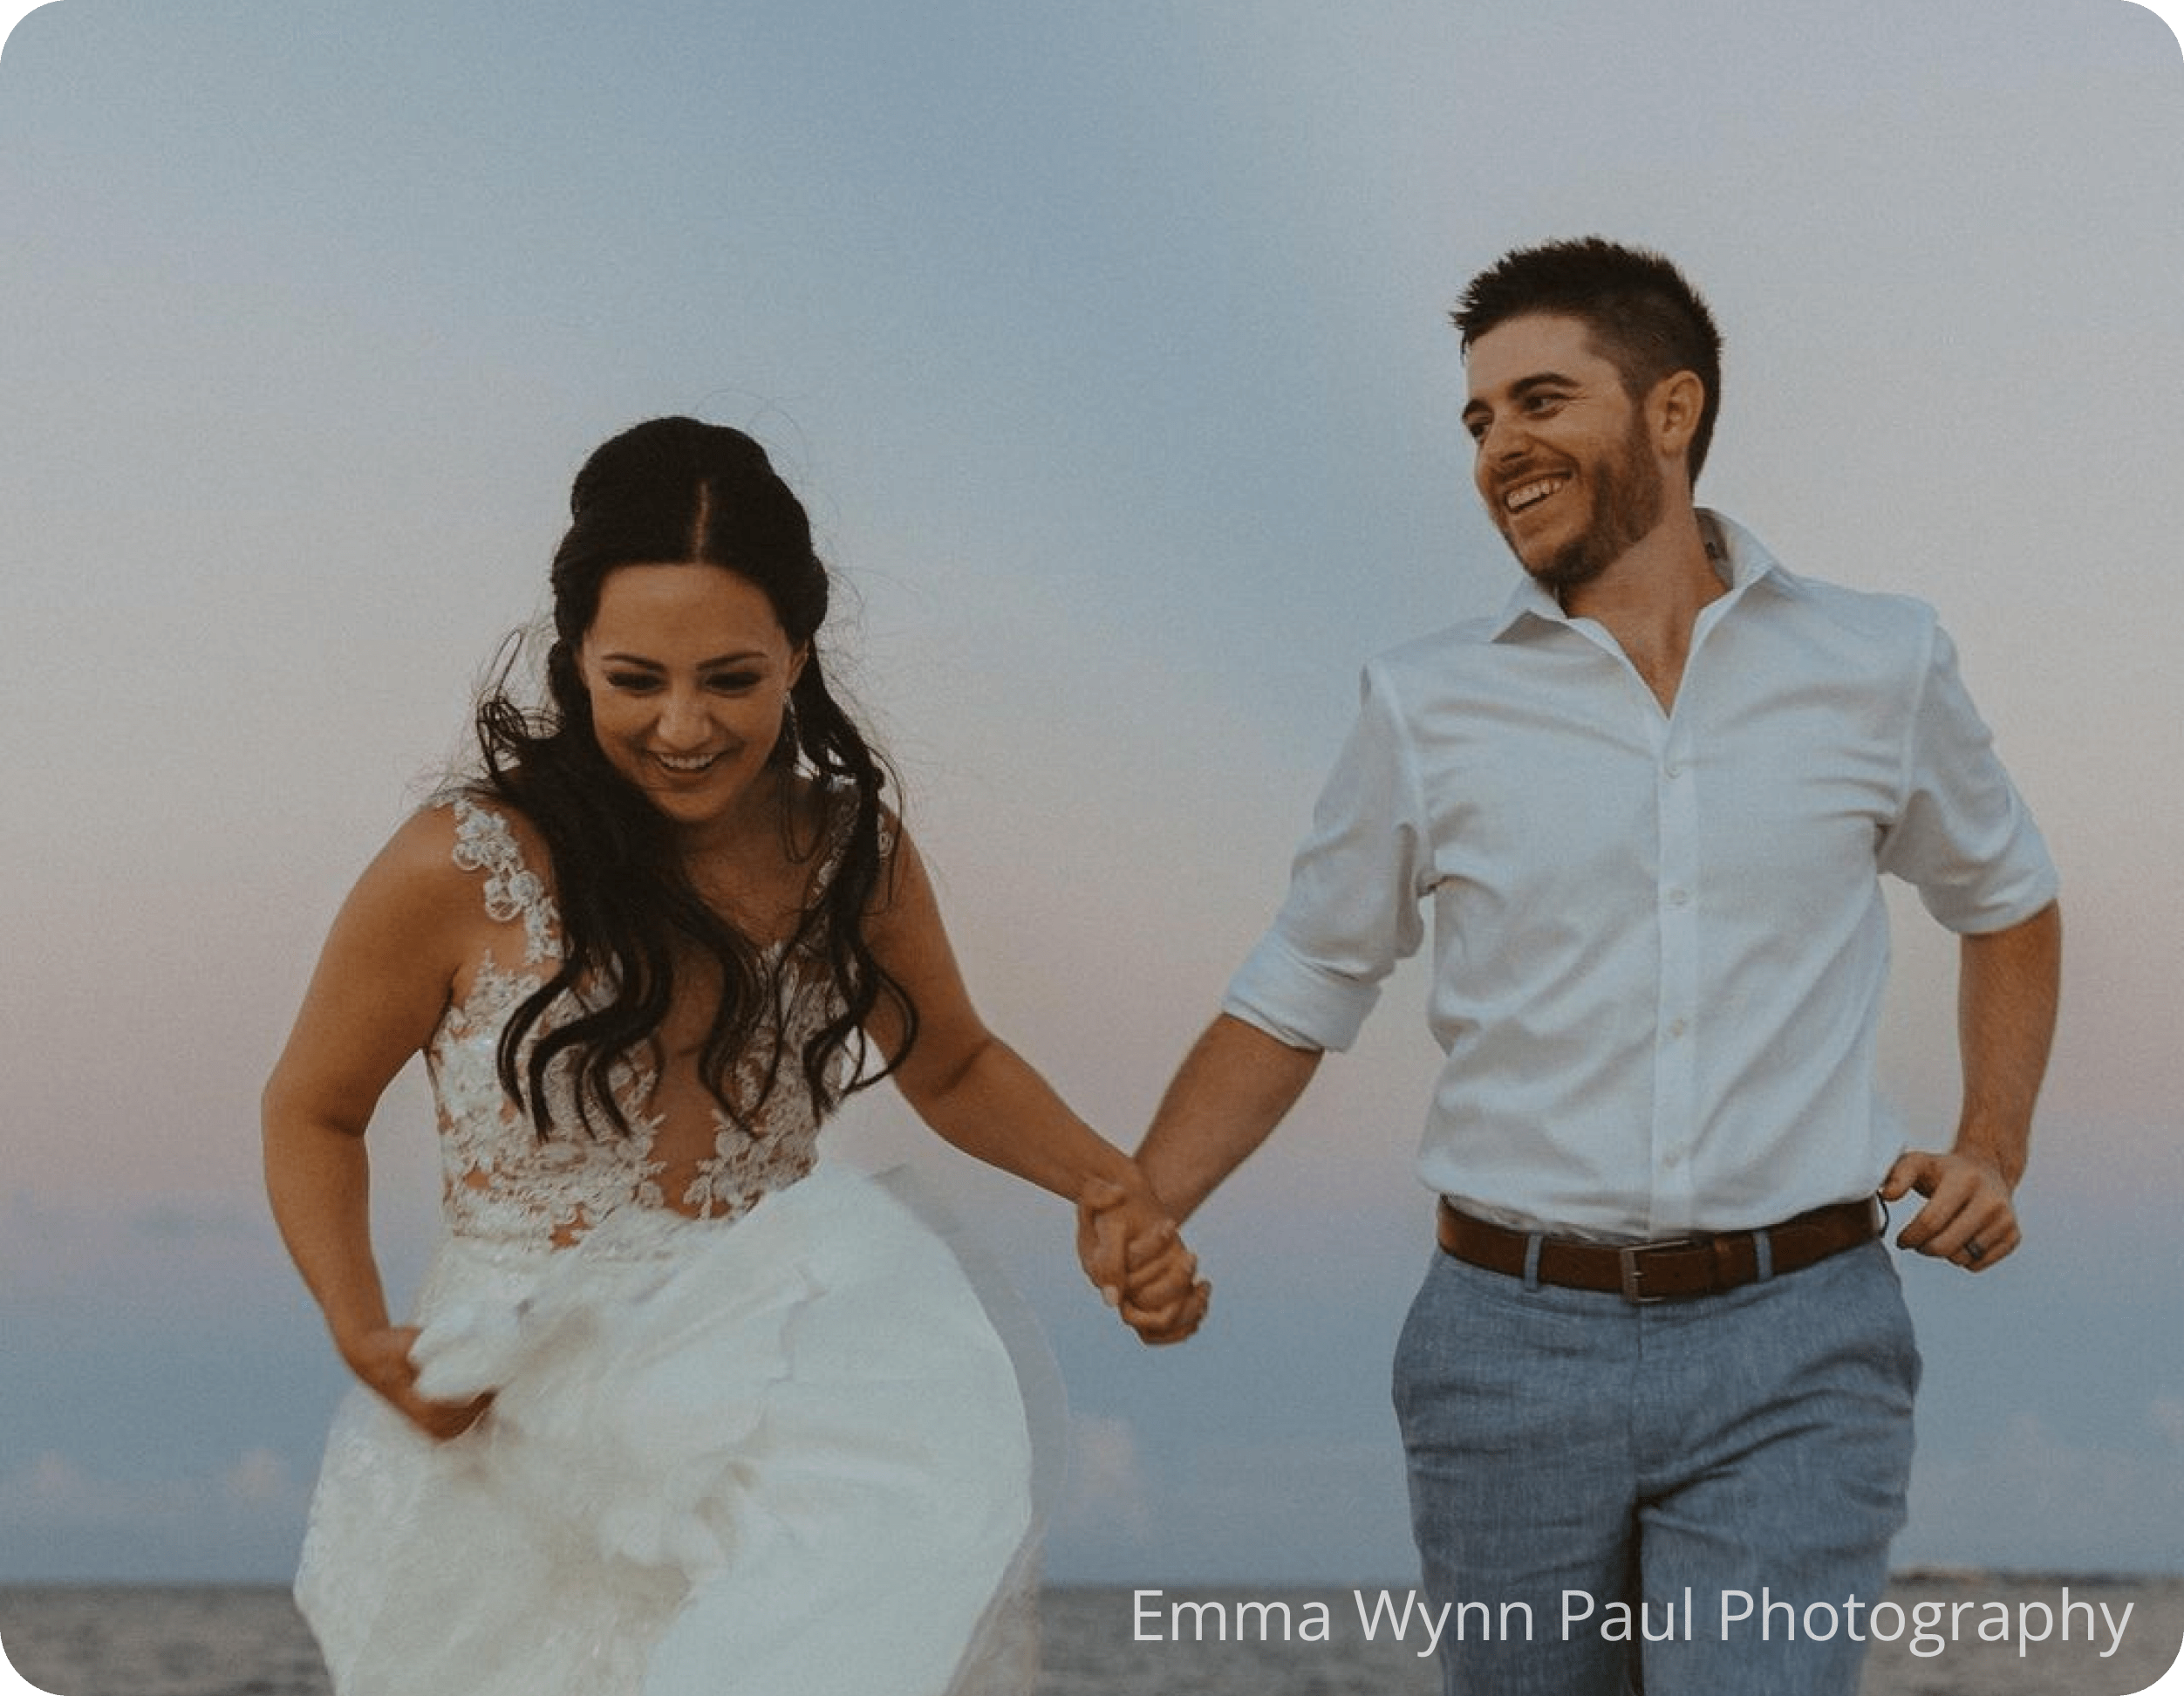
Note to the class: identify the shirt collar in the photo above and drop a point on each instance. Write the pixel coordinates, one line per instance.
(1748, 560)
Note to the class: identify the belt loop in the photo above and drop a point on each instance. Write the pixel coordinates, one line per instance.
(1531, 1261)
(1763, 1253)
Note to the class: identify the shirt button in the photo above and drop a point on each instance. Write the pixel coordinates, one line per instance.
(1677, 1027)
(1679, 898)
(1674, 769)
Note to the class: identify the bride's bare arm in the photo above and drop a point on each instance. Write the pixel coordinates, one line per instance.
(382, 983)
(980, 1094)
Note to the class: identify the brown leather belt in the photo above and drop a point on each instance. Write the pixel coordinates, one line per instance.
(1674, 1271)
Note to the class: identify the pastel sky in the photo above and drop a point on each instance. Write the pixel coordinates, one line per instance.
(1108, 345)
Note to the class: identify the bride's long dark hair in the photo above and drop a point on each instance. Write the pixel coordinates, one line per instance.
(675, 490)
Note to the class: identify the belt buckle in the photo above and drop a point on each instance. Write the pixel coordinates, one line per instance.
(1634, 1273)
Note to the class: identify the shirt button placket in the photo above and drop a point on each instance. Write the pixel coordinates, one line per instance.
(1676, 1060)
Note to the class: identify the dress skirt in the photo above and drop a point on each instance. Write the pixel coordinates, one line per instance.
(788, 1455)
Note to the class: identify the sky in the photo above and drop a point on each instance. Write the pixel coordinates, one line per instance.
(1107, 347)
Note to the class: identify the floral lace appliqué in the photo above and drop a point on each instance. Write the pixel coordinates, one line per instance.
(503, 1183)
(484, 843)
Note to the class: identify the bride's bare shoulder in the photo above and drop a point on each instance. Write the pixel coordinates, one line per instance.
(437, 855)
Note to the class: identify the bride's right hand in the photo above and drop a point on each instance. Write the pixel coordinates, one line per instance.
(381, 1359)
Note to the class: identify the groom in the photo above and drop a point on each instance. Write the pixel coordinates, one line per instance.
(1649, 803)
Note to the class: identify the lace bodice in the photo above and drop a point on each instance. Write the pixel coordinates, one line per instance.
(504, 1184)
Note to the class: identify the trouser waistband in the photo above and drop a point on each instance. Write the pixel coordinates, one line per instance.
(1681, 1270)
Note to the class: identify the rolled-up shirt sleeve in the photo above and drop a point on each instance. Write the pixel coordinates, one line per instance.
(1963, 835)
(1352, 908)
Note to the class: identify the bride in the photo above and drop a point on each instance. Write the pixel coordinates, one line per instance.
(684, 1408)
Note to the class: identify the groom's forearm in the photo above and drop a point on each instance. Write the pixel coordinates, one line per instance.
(1233, 1089)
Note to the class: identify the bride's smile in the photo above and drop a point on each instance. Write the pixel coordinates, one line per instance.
(688, 672)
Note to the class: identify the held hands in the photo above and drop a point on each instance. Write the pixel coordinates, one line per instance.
(381, 1359)
(1135, 1258)
(1967, 1218)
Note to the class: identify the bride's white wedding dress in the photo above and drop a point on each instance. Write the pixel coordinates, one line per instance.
(755, 1432)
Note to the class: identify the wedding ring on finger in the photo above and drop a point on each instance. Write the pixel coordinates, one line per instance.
(1974, 1251)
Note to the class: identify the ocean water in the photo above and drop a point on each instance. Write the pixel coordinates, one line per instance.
(180, 1641)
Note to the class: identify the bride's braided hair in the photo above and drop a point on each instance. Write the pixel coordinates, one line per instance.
(671, 491)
